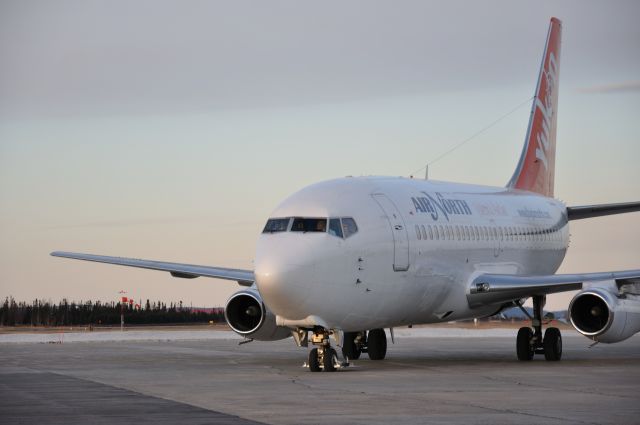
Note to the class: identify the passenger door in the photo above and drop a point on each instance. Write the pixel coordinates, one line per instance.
(398, 230)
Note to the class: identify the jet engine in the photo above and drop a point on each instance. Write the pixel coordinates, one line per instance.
(605, 314)
(247, 315)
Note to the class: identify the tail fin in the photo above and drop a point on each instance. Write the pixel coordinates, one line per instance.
(535, 170)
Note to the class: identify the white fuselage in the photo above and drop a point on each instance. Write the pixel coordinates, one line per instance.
(419, 244)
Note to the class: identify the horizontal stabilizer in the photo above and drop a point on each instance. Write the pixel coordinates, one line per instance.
(588, 211)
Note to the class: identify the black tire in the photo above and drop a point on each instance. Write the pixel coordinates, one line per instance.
(349, 348)
(314, 364)
(329, 359)
(523, 344)
(552, 343)
(377, 344)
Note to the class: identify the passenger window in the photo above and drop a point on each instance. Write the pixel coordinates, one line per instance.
(430, 232)
(424, 233)
(309, 225)
(276, 225)
(334, 227)
(458, 232)
(418, 232)
(349, 226)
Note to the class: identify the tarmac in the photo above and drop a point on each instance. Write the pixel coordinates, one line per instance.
(426, 378)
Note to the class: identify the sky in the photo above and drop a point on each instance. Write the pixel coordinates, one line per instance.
(170, 130)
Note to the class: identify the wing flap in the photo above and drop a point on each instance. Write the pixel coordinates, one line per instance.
(489, 289)
(185, 271)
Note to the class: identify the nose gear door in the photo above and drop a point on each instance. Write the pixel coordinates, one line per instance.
(398, 230)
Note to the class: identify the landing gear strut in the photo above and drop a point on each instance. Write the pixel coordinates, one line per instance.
(531, 342)
(324, 357)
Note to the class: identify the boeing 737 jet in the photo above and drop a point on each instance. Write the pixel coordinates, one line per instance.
(346, 259)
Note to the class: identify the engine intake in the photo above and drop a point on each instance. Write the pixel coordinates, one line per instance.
(247, 315)
(244, 313)
(605, 316)
(590, 313)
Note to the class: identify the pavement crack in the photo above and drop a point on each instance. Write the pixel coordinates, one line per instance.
(555, 388)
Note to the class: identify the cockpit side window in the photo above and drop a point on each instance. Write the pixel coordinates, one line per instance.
(349, 226)
(309, 225)
(276, 225)
(334, 227)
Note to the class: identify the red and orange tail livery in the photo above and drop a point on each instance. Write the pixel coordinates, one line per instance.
(535, 170)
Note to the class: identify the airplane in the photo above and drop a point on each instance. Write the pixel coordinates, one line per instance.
(347, 258)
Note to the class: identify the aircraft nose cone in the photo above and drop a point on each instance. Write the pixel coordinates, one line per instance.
(281, 285)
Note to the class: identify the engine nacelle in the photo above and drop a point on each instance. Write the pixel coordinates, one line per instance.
(602, 314)
(247, 315)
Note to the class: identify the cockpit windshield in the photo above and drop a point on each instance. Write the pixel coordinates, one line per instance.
(341, 227)
(276, 225)
(309, 225)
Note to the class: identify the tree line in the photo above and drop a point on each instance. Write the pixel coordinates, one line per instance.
(66, 313)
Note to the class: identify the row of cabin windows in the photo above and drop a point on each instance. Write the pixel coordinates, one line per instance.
(485, 233)
(341, 227)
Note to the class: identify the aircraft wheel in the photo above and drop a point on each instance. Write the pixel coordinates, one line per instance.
(377, 344)
(523, 344)
(330, 359)
(552, 343)
(314, 364)
(350, 349)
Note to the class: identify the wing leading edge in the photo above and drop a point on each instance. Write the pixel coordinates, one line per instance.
(489, 289)
(186, 271)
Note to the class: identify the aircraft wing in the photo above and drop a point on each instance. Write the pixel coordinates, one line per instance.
(186, 271)
(489, 289)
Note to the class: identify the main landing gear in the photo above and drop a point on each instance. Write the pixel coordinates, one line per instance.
(324, 357)
(530, 341)
(374, 343)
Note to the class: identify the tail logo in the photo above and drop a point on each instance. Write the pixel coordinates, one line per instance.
(547, 111)
(536, 167)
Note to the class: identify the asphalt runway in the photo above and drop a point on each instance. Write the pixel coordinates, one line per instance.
(447, 380)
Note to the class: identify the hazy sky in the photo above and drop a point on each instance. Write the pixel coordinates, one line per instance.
(169, 130)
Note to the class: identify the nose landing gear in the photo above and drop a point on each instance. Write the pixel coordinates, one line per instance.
(324, 357)
(530, 342)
